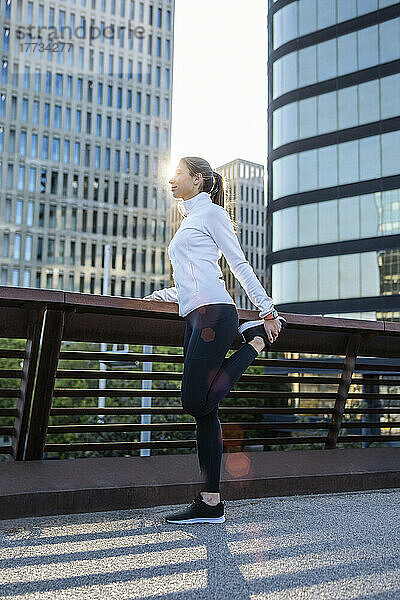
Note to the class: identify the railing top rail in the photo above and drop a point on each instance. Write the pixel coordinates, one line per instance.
(158, 323)
(14, 295)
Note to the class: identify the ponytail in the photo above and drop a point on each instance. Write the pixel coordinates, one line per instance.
(217, 192)
(219, 197)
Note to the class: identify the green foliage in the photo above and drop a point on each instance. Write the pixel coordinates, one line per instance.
(128, 401)
(9, 382)
(156, 401)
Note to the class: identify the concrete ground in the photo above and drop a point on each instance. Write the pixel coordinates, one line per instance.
(341, 546)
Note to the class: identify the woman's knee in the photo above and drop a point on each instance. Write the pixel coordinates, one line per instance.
(202, 404)
(195, 409)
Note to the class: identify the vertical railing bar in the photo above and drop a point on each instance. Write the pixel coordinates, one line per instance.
(46, 376)
(352, 346)
(35, 324)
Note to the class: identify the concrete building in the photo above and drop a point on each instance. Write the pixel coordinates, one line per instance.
(85, 143)
(333, 157)
(244, 182)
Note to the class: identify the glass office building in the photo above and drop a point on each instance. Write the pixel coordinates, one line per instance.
(334, 157)
(244, 188)
(85, 119)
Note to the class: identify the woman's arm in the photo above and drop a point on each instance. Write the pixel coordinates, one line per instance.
(220, 228)
(164, 295)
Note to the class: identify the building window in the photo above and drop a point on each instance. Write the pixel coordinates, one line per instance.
(17, 246)
(52, 216)
(106, 191)
(15, 277)
(59, 84)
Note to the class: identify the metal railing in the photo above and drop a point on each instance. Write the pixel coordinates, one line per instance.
(342, 355)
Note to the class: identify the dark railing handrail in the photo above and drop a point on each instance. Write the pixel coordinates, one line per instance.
(379, 338)
(45, 318)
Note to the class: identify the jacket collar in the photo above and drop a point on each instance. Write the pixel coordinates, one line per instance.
(188, 206)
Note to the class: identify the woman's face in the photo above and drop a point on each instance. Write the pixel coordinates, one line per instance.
(183, 185)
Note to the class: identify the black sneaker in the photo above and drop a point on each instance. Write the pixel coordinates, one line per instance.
(198, 512)
(250, 329)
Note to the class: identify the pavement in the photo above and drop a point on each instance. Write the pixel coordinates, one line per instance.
(342, 546)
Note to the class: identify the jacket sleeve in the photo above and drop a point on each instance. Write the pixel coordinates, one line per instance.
(220, 228)
(164, 295)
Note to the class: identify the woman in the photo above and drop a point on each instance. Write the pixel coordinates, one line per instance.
(211, 318)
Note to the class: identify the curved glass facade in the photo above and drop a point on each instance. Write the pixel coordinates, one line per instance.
(356, 160)
(306, 16)
(345, 54)
(342, 131)
(348, 107)
(369, 215)
(360, 275)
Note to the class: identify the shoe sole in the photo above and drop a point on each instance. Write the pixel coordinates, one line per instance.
(198, 520)
(250, 324)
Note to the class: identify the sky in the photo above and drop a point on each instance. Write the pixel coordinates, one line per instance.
(219, 101)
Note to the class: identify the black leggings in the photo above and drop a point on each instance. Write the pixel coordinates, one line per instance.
(208, 377)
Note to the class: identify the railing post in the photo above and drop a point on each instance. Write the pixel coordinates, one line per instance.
(50, 351)
(27, 381)
(352, 346)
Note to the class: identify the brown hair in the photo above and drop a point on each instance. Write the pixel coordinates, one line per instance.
(213, 182)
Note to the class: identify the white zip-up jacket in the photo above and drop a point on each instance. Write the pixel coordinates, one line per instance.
(205, 233)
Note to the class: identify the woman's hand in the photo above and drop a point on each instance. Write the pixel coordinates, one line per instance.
(273, 328)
